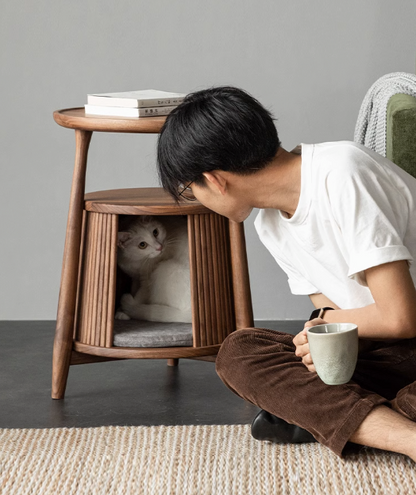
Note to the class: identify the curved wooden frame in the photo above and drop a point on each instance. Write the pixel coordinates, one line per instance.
(75, 118)
(146, 352)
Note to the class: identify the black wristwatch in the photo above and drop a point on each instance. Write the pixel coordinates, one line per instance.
(319, 313)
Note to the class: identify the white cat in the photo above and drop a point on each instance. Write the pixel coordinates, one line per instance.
(153, 251)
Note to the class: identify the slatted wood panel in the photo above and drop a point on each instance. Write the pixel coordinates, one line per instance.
(96, 288)
(81, 257)
(211, 289)
(213, 316)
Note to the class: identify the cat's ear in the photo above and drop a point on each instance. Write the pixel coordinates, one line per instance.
(123, 237)
(146, 219)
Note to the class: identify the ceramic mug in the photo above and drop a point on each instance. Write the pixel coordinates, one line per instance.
(334, 351)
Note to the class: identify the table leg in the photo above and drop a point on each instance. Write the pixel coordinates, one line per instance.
(241, 281)
(67, 297)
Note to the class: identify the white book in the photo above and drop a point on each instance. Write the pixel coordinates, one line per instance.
(136, 99)
(128, 112)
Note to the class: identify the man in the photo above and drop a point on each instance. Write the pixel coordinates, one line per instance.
(341, 221)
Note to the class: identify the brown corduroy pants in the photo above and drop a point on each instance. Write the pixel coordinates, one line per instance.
(260, 366)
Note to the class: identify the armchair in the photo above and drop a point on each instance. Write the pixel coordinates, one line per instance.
(401, 132)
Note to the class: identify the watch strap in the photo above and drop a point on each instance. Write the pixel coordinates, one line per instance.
(319, 312)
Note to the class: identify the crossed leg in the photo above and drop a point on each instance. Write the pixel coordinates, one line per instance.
(260, 366)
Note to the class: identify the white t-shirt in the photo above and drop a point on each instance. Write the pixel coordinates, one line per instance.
(356, 210)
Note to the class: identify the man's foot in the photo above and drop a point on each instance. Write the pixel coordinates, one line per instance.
(266, 426)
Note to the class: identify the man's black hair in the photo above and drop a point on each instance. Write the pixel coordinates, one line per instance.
(221, 128)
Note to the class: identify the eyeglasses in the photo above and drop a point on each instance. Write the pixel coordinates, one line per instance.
(185, 192)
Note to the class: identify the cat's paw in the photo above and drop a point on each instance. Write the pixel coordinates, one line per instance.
(120, 315)
(127, 303)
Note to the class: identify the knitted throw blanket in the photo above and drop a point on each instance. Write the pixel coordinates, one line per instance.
(370, 129)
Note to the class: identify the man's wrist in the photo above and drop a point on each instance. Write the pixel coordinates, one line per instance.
(319, 312)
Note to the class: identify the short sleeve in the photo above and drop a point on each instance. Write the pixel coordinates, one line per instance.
(372, 215)
(298, 284)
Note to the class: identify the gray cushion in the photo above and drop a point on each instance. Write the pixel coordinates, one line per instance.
(137, 333)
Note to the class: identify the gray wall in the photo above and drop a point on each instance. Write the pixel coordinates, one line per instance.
(311, 63)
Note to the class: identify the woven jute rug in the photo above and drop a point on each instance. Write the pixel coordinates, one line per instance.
(197, 460)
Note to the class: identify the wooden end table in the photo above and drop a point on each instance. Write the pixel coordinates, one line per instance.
(85, 319)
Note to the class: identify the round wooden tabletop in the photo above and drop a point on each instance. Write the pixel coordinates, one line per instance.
(75, 118)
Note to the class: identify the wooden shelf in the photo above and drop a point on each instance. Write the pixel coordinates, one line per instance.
(146, 352)
(142, 201)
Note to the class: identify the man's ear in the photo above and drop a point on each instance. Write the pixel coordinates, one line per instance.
(217, 179)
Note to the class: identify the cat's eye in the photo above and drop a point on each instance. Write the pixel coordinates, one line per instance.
(156, 232)
(143, 245)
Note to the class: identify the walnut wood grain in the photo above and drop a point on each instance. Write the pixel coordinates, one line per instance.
(140, 201)
(77, 335)
(109, 331)
(91, 279)
(98, 281)
(75, 118)
(146, 352)
(200, 332)
(105, 279)
(241, 280)
(80, 358)
(229, 324)
(207, 284)
(69, 279)
(221, 299)
(219, 317)
(96, 301)
(193, 279)
(82, 296)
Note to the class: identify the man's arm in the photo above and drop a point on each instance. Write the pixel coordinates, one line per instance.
(393, 314)
(321, 301)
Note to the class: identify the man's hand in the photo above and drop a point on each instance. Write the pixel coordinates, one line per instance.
(393, 313)
(302, 345)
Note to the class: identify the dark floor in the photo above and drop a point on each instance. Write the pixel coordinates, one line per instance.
(128, 392)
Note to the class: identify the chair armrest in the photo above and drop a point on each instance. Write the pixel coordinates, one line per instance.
(401, 132)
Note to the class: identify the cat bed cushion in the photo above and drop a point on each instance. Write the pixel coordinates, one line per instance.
(137, 333)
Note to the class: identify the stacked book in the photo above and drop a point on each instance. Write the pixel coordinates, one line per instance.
(141, 103)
